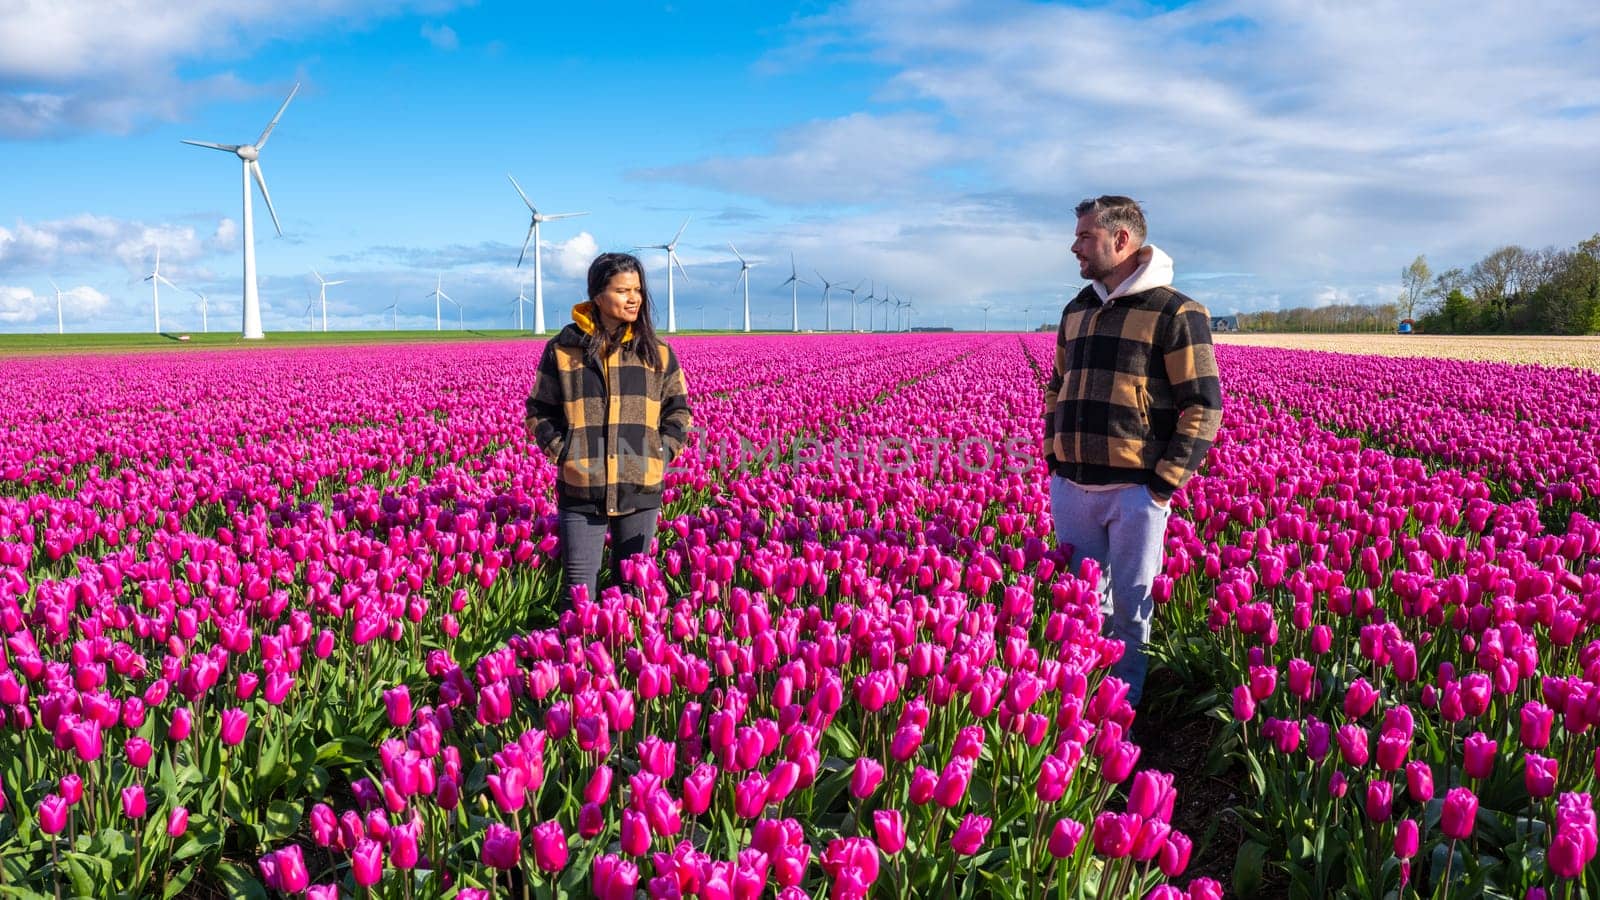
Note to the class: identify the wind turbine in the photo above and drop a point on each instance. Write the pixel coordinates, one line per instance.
(310, 303)
(827, 308)
(522, 297)
(538, 219)
(852, 293)
(205, 322)
(986, 307)
(910, 310)
(394, 310)
(794, 291)
(59, 328)
(155, 278)
(884, 302)
(250, 155)
(325, 284)
(672, 260)
(744, 275)
(1027, 312)
(438, 294)
(871, 298)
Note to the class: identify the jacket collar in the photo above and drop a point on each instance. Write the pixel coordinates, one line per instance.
(587, 317)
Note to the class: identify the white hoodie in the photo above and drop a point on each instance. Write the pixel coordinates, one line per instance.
(1155, 270)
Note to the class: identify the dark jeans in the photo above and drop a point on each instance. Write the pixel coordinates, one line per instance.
(583, 540)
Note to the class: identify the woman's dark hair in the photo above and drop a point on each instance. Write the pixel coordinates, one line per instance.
(601, 344)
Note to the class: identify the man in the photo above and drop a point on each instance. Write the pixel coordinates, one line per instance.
(1130, 411)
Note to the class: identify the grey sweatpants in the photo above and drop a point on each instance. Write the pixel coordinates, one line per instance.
(1123, 530)
(583, 540)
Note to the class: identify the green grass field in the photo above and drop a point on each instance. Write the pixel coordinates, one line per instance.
(30, 344)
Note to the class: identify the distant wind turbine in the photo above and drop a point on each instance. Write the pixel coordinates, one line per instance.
(59, 327)
(744, 275)
(522, 297)
(394, 310)
(794, 283)
(852, 292)
(205, 321)
(438, 294)
(827, 307)
(986, 307)
(537, 219)
(884, 302)
(250, 155)
(311, 303)
(155, 278)
(325, 285)
(871, 298)
(672, 260)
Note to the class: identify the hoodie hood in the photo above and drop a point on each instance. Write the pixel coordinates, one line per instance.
(587, 317)
(1155, 271)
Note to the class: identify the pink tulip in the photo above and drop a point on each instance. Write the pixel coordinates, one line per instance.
(1479, 757)
(53, 810)
(549, 846)
(1460, 813)
(890, 827)
(865, 778)
(969, 835)
(1419, 781)
(1406, 839)
(235, 722)
(133, 801)
(177, 821)
(1539, 774)
(1064, 837)
(502, 847)
(1114, 834)
(1175, 854)
(366, 862)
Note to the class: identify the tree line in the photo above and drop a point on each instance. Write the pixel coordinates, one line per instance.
(1511, 290)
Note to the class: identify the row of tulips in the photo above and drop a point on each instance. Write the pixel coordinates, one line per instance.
(1408, 669)
(834, 680)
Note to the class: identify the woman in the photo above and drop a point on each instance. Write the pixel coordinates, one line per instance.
(609, 407)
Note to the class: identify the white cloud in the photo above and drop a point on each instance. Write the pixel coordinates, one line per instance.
(571, 258)
(859, 158)
(1311, 146)
(442, 37)
(112, 65)
(18, 305)
(89, 239)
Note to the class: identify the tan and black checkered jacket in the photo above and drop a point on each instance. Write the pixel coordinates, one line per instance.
(611, 426)
(1135, 397)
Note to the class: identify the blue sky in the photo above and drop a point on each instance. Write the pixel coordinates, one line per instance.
(1288, 153)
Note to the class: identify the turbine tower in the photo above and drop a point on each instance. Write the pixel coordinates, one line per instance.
(986, 307)
(744, 275)
(871, 298)
(325, 284)
(538, 219)
(205, 308)
(438, 294)
(155, 278)
(59, 328)
(672, 260)
(794, 291)
(250, 155)
(522, 297)
(852, 292)
(394, 310)
(827, 308)
(884, 302)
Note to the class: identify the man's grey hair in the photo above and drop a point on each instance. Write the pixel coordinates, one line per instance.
(1112, 211)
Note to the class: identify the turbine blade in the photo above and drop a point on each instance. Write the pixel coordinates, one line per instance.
(736, 253)
(168, 282)
(525, 242)
(554, 216)
(523, 193)
(225, 147)
(679, 263)
(680, 231)
(54, 285)
(340, 281)
(261, 182)
(267, 132)
(319, 276)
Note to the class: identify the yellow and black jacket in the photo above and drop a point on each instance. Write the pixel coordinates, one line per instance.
(611, 425)
(1135, 397)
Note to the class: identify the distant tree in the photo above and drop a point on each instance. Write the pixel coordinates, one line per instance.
(1568, 302)
(1415, 282)
(1493, 282)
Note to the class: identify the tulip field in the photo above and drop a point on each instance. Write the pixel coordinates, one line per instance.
(278, 623)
